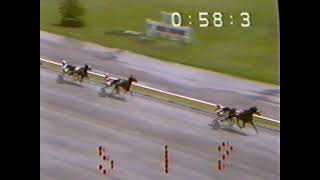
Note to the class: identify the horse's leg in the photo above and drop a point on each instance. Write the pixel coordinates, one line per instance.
(238, 123)
(254, 126)
(113, 89)
(243, 124)
(81, 78)
(118, 90)
(231, 122)
(76, 77)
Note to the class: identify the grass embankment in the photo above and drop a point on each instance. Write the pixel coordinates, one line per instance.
(251, 53)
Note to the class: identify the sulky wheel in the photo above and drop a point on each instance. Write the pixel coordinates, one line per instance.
(215, 124)
(102, 92)
(60, 79)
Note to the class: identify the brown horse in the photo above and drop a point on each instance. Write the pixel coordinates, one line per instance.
(123, 84)
(246, 116)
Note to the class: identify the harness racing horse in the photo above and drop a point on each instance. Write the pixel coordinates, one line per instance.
(77, 72)
(246, 116)
(81, 72)
(123, 84)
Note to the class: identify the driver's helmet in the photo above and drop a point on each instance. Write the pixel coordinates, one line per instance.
(64, 62)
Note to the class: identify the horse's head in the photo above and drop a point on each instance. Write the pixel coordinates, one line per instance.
(87, 67)
(255, 110)
(132, 79)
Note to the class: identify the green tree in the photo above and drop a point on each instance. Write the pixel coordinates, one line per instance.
(71, 11)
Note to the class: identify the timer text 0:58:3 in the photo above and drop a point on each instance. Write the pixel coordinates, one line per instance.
(215, 19)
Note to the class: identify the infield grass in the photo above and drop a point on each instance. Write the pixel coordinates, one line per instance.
(251, 53)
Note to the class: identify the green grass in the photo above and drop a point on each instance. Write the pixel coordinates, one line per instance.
(251, 53)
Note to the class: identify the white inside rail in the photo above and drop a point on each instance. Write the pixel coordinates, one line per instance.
(165, 92)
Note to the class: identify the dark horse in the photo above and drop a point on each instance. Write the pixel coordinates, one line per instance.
(81, 72)
(245, 116)
(123, 84)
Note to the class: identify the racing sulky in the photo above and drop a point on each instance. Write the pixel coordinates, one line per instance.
(224, 114)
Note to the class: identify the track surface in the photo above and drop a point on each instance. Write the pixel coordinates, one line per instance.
(74, 121)
(176, 78)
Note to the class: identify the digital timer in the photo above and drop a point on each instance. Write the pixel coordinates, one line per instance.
(216, 19)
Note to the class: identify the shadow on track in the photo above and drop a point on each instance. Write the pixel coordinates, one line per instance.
(103, 93)
(234, 131)
(71, 83)
(113, 96)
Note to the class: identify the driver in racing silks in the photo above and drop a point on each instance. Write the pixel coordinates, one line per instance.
(226, 111)
(66, 68)
(109, 81)
(222, 110)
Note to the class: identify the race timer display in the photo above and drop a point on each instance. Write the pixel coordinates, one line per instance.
(211, 19)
